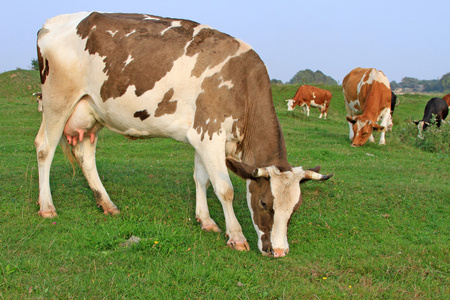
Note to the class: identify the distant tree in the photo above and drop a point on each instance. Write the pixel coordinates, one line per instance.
(394, 85)
(309, 77)
(409, 82)
(431, 85)
(34, 64)
(276, 81)
(445, 82)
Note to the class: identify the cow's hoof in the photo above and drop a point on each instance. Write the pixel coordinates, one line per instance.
(48, 214)
(211, 227)
(112, 211)
(239, 246)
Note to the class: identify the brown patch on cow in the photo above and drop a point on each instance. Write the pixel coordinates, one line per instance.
(142, 114)
(447, 99)
(44, 68)
(208, 38)
(262, 206)
(136, 38)
(243, 102)
(166, 107)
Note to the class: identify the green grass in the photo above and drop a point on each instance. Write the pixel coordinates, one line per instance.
(378, 229)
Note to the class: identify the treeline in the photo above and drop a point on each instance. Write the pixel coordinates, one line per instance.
(409, 84)
(406, 85)
(309, 77)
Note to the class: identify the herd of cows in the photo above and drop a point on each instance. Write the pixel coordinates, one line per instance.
(369, 103)
(145, 76)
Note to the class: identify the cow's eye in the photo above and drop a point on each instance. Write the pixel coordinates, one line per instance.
(264, 205)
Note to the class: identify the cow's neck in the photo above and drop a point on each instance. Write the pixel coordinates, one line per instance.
(263, 143)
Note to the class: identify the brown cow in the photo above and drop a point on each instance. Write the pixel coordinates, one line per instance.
(145, 76)
(447, 99)
(307, 96)
(367, 95)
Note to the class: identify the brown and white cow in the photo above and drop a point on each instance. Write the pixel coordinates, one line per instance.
(145, 76)
(367, 95)
(447, 99)
(39, 101)
(307, 96)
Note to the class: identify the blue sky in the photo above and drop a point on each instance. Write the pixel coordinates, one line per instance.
(401, 38)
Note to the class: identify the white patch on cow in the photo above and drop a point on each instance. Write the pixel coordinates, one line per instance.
(314, 95)
(374, 75)
(286, 191)
(130, 33)
(128, 61)
(314, 104)
(173, 25)
(353, 104)
(229, 84)
(147, 17)
(199, 28)
(290, 104)
(112, 33)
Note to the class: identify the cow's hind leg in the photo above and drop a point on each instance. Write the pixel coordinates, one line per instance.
(46, 142)
(84, 152)
(45, 154)
(201, 208)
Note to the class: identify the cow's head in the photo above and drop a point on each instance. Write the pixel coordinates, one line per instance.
(421, 126)
(290, 104)
(362, 129)
(273, 195)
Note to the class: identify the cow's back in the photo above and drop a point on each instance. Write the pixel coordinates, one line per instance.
(147, 76)
(367, 84)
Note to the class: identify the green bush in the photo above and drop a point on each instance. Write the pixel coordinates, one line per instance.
(434, 139)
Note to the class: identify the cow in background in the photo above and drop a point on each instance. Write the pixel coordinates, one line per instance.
(394, 102)
(307, 96)
(145, 76)
(368, 98)
(436, 107)
(39, 101)
(447, 99)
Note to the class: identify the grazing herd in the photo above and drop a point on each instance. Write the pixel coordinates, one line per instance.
(145, 76)
(369, 103)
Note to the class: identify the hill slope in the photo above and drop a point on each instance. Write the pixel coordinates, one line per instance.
(19, 83)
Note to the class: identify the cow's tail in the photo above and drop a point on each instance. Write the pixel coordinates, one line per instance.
(67, 150)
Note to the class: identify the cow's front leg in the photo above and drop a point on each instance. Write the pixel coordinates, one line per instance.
(211, 153)
(201, 208)
(382, 138)
(351, 133)
(84, 152)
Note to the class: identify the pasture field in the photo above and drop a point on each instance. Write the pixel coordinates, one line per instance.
(379, 229)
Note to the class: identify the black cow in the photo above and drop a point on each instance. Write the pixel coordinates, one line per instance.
(435, 107)
(394, 103)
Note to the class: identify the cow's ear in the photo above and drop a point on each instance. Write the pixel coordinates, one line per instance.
(242, 170)
(377, 127)
(416, 122)
(352, 119)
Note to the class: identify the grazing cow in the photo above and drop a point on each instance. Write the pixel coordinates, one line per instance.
(447, 99)
(436, 107)
(145, 76)
(368, 98)
(394, 103)
(39, 101)
(307, 96)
